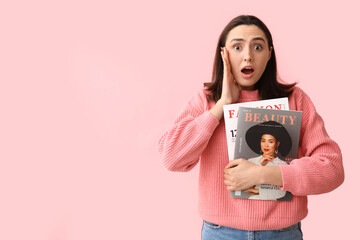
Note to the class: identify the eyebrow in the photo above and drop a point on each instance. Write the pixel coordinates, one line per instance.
(242, 40)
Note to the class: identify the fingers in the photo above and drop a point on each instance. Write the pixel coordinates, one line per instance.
(234, 163)
(229, 185)
(231, 164)
(232, 185)
(230, 188)
(264, 162)
(225, 58)
(250, 189)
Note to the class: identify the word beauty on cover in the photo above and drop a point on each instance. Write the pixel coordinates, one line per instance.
(264, 117)
(231, 114)
(267, 138)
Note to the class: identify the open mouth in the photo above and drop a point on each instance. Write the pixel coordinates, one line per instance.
(247, 70)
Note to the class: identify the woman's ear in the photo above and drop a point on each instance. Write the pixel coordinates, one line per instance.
(278, 143)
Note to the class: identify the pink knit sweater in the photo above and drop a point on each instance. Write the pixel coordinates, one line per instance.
(198, 136)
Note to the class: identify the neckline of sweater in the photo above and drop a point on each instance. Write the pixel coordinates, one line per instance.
(249, 95)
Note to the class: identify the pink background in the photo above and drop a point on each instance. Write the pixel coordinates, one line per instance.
(88, 88)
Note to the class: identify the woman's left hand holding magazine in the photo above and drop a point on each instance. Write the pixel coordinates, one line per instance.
(240, 174)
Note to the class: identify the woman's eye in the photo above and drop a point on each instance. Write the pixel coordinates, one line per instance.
(257, 47)
(237, 47)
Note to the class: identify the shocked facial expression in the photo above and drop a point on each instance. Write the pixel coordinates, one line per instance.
(248, 54)
(268, 144)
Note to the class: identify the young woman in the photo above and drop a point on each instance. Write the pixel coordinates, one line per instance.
(245, 70)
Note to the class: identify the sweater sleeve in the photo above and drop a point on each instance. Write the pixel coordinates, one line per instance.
(181, 146)
(320, 168)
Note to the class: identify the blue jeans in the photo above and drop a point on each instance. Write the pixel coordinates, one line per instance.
(211, 231)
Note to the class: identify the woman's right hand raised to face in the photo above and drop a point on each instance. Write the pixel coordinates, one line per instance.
(230, 89)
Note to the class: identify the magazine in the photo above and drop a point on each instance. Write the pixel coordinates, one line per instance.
(269, 138)
(231, 112)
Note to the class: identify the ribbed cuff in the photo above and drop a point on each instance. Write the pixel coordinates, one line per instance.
(208, 121)
(288, 173)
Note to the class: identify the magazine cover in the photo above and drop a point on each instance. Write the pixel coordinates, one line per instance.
(268, 138)
(231, 113)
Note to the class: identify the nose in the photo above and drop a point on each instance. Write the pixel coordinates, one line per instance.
(247, 54)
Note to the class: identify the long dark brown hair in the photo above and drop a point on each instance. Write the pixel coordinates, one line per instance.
(268, 84)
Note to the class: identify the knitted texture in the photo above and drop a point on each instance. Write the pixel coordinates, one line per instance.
(197, 136)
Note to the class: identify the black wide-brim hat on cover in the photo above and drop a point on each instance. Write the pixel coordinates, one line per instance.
(254, 134)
